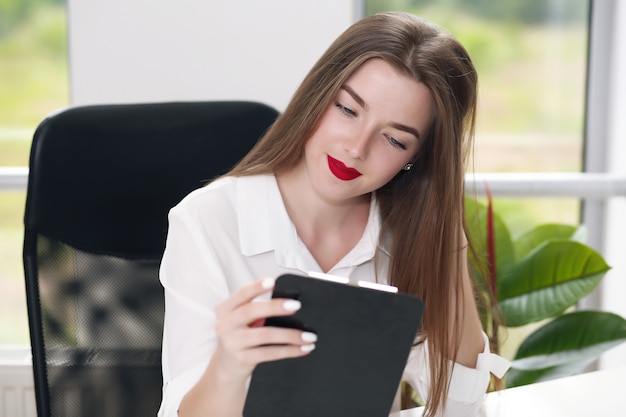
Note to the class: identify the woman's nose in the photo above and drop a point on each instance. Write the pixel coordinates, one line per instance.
(357, 144)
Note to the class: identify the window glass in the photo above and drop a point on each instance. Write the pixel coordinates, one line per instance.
(33, 82)
(531, 60)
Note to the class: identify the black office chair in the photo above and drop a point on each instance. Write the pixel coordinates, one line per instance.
(101, 182)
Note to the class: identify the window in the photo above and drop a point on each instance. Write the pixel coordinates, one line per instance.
(531, 58)
(34, 76)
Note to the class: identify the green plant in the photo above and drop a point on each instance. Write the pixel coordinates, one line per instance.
(538, 277)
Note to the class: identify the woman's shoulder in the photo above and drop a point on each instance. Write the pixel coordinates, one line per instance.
(223, 193)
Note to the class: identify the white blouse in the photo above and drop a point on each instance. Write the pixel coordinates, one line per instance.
(235, 231)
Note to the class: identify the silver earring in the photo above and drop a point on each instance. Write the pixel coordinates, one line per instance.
(408, 167)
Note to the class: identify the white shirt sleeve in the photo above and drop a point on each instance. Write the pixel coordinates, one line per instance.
(193, 285)
(467, 386)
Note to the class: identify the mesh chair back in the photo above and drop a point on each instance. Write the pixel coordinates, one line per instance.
(102, 180)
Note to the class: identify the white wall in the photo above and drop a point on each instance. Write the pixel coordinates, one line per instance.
(160, 50)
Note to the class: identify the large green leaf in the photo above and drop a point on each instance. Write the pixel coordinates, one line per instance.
(570, 337)
(548, 280)
(538, 235)
(566, 345)
(516, 377)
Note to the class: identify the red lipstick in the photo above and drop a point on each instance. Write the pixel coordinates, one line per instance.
(341, 171)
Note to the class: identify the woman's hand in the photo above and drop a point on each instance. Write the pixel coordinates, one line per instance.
(243, 341)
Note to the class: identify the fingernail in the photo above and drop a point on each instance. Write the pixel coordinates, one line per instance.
(268, 283)
(307, 348)
(292, 305)
(308, 337)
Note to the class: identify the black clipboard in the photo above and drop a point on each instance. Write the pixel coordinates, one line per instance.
(364, 339)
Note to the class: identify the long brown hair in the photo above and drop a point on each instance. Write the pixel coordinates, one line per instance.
(422, 209)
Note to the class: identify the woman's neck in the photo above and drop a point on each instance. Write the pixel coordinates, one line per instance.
(328, 229)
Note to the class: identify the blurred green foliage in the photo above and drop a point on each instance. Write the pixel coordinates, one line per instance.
(15, 12)
(529, 12)
(507, 42)
(34, 77)
(34, 81)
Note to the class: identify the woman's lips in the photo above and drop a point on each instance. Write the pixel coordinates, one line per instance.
(341, 171)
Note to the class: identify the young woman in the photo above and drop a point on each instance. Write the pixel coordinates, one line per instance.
(361, 176)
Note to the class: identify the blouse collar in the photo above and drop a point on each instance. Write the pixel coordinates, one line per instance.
(259, 200)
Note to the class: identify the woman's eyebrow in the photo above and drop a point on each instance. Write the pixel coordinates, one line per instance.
(354, 95)
(407, 129)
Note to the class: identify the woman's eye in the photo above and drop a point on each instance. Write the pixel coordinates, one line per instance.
(345, 110)
(396, 143)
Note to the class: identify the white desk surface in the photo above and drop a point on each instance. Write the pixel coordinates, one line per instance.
(600, 393)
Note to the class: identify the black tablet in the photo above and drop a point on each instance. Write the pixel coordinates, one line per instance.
(364, 338)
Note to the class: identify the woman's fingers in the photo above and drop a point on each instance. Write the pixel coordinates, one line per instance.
(245, 347)
(244, 295)
(242, 328)
(257, 310)
(265, 344)
(271, 336)
(241, 308)
(276, 352)
(241, 361)
(244, 342)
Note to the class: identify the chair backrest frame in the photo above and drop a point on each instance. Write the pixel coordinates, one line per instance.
(102, 179)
